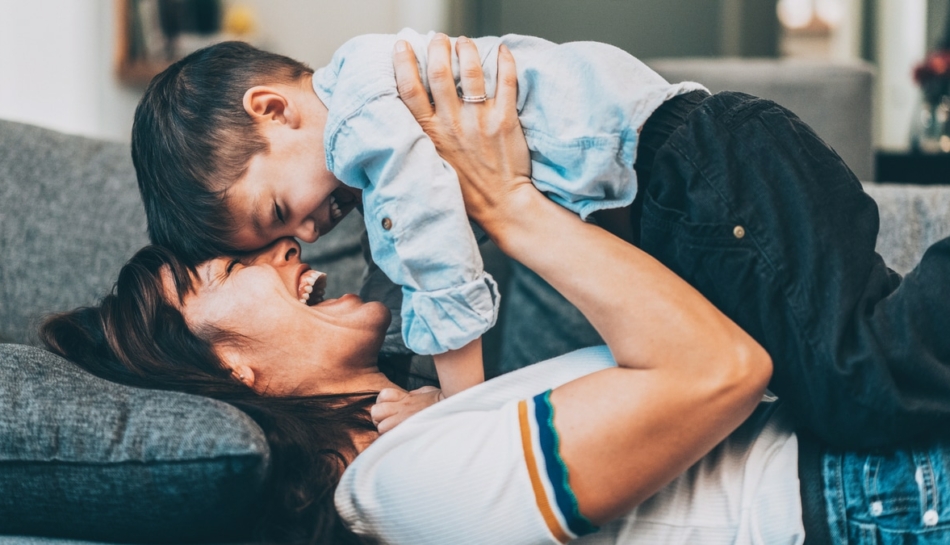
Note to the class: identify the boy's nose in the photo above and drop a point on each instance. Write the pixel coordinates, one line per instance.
(307, 231)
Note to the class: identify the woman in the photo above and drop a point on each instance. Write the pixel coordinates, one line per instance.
(685, 377)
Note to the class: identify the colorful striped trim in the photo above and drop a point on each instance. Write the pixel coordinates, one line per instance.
(547, 471)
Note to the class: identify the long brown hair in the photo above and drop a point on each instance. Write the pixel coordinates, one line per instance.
(136, 337)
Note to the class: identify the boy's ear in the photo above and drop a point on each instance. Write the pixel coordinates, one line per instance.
(266, 103)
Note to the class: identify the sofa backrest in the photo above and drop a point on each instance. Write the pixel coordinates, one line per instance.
(834, 98)
(912, 218)
(70, 215)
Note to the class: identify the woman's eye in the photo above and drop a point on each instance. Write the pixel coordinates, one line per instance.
(231, 265)
(279, 213)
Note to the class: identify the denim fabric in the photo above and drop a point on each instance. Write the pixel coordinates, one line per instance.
(747, 204)
(580, 104)
(889, 497)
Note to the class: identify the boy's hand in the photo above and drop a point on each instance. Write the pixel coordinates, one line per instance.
(394, 405)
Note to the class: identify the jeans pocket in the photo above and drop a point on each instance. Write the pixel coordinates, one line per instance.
(900, 498)
(718, 259)
(893, 496)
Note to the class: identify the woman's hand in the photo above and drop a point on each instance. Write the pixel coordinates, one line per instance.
(482, 141)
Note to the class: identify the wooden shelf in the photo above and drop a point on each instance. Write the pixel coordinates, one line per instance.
(129, 70)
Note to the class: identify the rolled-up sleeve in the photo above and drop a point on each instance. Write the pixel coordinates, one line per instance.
(418, 231)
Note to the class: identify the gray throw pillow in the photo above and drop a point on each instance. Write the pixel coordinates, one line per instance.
(84, 458)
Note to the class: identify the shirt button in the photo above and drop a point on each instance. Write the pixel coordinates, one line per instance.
(387, 224)
(931, 518)
(739, 231)
(877, 508)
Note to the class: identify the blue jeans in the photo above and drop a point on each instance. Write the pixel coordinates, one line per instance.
(889, 497)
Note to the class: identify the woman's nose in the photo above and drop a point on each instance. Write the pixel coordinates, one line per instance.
(282, 252)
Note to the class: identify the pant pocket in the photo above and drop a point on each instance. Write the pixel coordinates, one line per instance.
(716, 258)
(901, 496)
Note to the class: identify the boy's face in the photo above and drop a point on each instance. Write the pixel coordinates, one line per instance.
(286, 198)
(288, 191)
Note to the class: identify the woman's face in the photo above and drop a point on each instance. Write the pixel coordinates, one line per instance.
(278, 344)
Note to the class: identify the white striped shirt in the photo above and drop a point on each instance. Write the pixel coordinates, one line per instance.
(482, 467)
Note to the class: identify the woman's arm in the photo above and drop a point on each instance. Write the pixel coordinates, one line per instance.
(687, 375)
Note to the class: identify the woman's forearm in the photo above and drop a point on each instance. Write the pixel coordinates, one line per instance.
(687, 374)
(642, 310)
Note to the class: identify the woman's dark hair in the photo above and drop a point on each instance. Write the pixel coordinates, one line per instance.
(191, 139)
(138, 338)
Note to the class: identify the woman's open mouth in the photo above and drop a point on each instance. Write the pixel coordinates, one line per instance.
(311, 287)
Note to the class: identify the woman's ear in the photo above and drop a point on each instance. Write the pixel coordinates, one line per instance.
(244, 374)
(268, 103)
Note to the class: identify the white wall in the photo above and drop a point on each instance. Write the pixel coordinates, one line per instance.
(311, 30)
(56, 56)
(56, 67)
(901, 44)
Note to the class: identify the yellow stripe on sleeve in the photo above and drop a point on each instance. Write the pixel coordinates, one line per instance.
(544, 505)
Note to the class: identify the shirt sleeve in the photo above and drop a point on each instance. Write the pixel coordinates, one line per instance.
(418, 231)
(378, 287)
(474, 477)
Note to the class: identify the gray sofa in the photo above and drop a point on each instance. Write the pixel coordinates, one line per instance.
(83, 459)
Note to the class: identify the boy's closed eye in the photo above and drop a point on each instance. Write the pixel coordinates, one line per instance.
(279, 213)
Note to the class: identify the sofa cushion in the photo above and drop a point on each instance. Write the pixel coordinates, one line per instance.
(84, 458)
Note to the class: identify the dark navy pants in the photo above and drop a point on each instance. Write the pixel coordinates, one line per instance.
(749, 206)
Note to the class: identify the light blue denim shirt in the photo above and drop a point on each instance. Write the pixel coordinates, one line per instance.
(581, 106)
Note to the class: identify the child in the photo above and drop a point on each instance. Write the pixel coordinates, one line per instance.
(235, 148)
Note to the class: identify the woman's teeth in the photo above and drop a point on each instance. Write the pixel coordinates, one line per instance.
(312, 287)
(335, 212)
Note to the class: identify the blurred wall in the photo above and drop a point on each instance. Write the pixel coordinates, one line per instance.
(56, 67)
(937, 13)
(901, 43)
(311, 30)
(645, 28)
(56, 56)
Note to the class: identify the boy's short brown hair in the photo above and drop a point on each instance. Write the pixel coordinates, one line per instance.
(191, 139)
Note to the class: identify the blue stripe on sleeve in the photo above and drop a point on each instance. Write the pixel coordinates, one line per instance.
(556, 469)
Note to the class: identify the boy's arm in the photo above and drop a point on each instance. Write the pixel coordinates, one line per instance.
(457, 369)
(418, 232)
(460, 369)
(393, 405)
